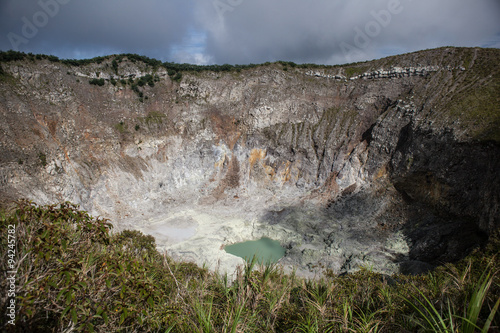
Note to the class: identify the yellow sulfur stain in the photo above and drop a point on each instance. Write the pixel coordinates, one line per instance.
(256, 155)
(286, 174)
(269, 171)
(381, 173)
(220, 163)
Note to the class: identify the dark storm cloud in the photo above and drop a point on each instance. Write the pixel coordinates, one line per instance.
(96, 27)
(245, 31)
(329, 31)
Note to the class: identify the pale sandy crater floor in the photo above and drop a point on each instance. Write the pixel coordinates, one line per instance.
(199, 236)
(199, 233)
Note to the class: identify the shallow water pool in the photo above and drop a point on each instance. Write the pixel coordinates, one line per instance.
(265, 249)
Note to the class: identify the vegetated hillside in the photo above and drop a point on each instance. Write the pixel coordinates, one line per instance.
(391, 163)
(73, 275)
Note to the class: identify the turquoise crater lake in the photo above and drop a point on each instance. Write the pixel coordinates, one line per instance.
(265, 250)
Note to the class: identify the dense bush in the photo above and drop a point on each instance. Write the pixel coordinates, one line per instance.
(43, 158)
(148, 61)
(83, 62)
(177, 77)
(114, 64)
(174, 68)
(97, 82)
(147, 79)
(74, 275)
(134, 87)
(12, 56)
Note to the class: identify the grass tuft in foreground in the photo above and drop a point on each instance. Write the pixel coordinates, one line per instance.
(74, 275)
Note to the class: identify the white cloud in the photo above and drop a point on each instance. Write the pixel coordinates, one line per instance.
(191, 49)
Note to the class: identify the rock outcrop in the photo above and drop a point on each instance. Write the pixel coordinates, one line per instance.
(395, 72)
(396, 169)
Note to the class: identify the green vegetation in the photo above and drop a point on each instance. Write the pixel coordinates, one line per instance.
(97, 82)
(74, 274)
(12, 56)
(6, 56)
(135, 88)
(482, 114)
(353, 71)
(43, 158)
(147, 79)
(172, 68)
(288, 63)
(114, 64)
(450, 321)
(177, 77)
(121, 127)
(472, 97)
(153, 117)
(141, 82)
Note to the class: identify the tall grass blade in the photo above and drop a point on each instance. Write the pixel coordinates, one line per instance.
(237, 316)
(431, 316)
(204, 315)
(309, 325)
(476, 303)
(487, 325)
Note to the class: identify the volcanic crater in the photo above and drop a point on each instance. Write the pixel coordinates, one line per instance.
(390, 164)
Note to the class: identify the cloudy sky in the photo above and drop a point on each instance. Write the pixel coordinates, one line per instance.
(246, 31)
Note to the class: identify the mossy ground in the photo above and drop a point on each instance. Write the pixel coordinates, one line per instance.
(73, 274)
(475, 99)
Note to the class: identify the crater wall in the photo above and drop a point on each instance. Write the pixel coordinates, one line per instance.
(399, 172)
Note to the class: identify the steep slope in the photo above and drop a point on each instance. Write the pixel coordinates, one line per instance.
(391, 163)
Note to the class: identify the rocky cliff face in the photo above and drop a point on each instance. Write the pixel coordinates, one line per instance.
(391, 163)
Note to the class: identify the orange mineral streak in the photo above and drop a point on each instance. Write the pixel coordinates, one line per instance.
(286, 173)
(256, 155)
